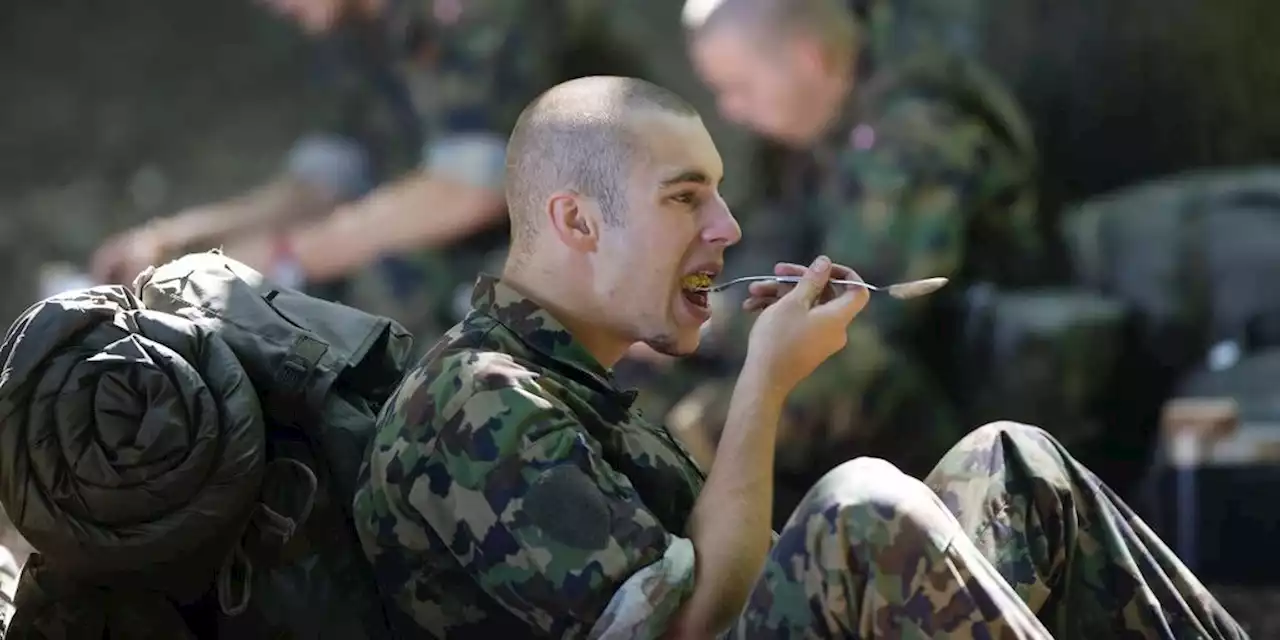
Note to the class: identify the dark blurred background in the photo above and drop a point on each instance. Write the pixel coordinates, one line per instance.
(116, 112)
(1125, 91)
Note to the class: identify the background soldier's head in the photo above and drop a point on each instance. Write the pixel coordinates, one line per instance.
(780, 67)
(612, 187)
(318, 17)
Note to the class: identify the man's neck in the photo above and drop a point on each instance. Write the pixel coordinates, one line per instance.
(566, 303)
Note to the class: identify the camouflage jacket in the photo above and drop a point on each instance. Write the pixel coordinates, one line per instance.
(436, 85)
(450, 74)
(930, 171)
(513, 491)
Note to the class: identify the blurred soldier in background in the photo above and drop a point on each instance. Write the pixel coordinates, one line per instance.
(448, 73)
(396, 67)
(913, 166)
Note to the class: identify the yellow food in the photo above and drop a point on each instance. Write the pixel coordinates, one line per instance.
(696, 281)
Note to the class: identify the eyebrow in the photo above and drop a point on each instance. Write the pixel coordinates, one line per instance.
(688, 175)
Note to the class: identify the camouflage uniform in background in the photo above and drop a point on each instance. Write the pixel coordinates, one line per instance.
(450, 79)
(453, 76)
(930, 171)
(513, 490)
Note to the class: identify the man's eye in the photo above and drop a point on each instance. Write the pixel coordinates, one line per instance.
(687, 197)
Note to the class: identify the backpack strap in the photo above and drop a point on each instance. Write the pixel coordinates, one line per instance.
(292, 380)
(285, 501)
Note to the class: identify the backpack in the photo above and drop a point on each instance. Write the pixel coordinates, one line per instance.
(321, 372)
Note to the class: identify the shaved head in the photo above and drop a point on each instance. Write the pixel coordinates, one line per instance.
(784, 68)
(579, 136)
(830, 21)
(612, 185)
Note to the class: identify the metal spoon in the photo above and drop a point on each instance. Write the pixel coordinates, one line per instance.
(902, 290)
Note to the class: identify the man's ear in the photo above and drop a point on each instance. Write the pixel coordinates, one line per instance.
(572, 220)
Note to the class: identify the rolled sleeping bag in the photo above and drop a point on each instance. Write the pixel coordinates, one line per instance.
(132, 444)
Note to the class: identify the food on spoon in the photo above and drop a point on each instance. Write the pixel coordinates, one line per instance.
(916, 288)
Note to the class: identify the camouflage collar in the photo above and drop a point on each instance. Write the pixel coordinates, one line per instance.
(542, 333)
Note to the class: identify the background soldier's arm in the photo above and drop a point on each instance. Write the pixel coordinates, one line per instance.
(485, 68)
(322, 169)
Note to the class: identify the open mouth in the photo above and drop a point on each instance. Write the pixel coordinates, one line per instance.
(696, 288)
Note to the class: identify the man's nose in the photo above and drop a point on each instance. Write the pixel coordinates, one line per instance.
(722, 228)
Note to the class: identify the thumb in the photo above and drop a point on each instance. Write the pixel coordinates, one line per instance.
(810, 287)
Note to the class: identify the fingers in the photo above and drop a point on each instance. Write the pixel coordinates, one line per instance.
(758, 303)
(789, 269)
(109, 272)
(845, 307)
(769, 289)
(848, 299)
(813, 282)
(103, 262)
(766, 288)
(838, 271)
(841, 272)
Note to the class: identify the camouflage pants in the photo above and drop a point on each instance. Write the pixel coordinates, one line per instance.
(1007, 529)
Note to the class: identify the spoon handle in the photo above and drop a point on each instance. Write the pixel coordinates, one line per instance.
(901, 290)
(788, 280)
(846, 283)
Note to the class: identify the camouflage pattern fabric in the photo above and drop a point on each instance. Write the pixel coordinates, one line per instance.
(463, 506)
(514, 491)
(464, 70)
(870, 553)
(1080, 558)
(930, 173)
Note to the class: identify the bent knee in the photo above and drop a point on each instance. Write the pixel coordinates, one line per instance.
(858, 471)
(985, 459)
(1006, 430)
(870, 499)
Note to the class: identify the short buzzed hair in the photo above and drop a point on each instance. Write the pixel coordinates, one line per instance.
(832, 22)
(578, 135)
